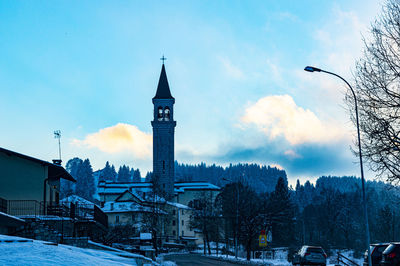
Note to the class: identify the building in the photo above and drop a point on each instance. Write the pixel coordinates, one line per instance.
(163, 136)
(178, 212)
(30, 197)
(29, 179)
(126, 202)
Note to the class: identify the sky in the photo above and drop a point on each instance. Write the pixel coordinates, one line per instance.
(235, 68)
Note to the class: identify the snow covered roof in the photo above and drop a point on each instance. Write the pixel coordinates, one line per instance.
(107, 187)
(77, 199)
(178, 205)
(112, 206)
(9, 220)
(196, 186)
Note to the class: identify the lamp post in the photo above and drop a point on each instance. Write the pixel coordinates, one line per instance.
(314, 69)
(237, 215)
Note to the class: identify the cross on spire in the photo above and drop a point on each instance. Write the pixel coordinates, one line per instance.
(163, 59)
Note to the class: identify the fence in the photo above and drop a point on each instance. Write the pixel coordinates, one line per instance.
(3, 205)
(25, 207)
(345, 261)
(82, 212)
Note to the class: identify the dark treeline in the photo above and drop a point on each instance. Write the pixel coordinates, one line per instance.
(328, 214)
(260, 177)
(86, 179)
(331, 213)
(125, 174)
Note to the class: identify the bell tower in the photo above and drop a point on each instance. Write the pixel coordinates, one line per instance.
(163, 136)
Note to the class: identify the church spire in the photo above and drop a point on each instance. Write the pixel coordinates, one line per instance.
(163, 91)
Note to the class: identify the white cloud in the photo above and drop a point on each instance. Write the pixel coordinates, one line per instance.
(119, 138)
(278, 166)
(280, 116)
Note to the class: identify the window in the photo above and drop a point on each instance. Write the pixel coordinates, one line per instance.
(167, 113)
(117, 219)
(173, 222)
(163, 185)
(112, 206)
(183, 212)
(173, 233)
(173, 212)
(183, 233)
(160, 114)
(183, 222)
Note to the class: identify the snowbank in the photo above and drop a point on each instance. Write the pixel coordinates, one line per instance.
(35, 252)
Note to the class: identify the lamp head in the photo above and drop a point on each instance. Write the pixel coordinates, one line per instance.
(312, 69)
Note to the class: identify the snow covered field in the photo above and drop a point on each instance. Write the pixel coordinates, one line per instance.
(21, 251)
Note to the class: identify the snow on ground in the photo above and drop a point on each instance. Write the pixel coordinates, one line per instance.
(35, 252)
(332, 260)
(274, 262)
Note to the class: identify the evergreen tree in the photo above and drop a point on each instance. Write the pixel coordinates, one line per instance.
(68, 187)
(108, 173)
(113, 174)
(280, 211)
(135, 175)
(123, 174)
(85, 186)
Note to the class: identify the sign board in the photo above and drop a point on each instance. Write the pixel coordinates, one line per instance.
(262, 240)
(145, 236)
(269, 236)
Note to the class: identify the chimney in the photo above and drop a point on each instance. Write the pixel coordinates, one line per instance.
(57, 162)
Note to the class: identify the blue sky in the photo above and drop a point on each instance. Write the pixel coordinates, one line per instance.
(235, 68)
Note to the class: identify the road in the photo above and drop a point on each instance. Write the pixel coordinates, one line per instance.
(195, 259)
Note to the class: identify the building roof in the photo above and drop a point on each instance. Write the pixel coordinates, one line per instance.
(108, 187)
(54, 171)
(77, 200)
(120, 207)
(196, 186)
(178, 205)
(10, 221)
(132, 193)
(163, 91)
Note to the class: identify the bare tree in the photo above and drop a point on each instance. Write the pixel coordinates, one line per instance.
(205, 217)
(377, 79)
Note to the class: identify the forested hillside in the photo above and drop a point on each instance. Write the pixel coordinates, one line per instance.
(260, 177)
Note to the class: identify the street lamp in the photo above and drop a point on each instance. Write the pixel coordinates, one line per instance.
(314, 69)
(237, 215)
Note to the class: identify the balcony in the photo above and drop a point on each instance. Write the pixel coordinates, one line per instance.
(36, 209)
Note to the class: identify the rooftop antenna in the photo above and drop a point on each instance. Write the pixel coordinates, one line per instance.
(57, 135)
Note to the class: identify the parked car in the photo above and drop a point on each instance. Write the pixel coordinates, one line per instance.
(310, 255)
(391, 255)
(376, 253)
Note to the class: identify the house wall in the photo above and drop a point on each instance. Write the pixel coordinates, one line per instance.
(124, 218)
(189, 195)
(21, 179)
(182, 223)
(185, 230)
(108, 197)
